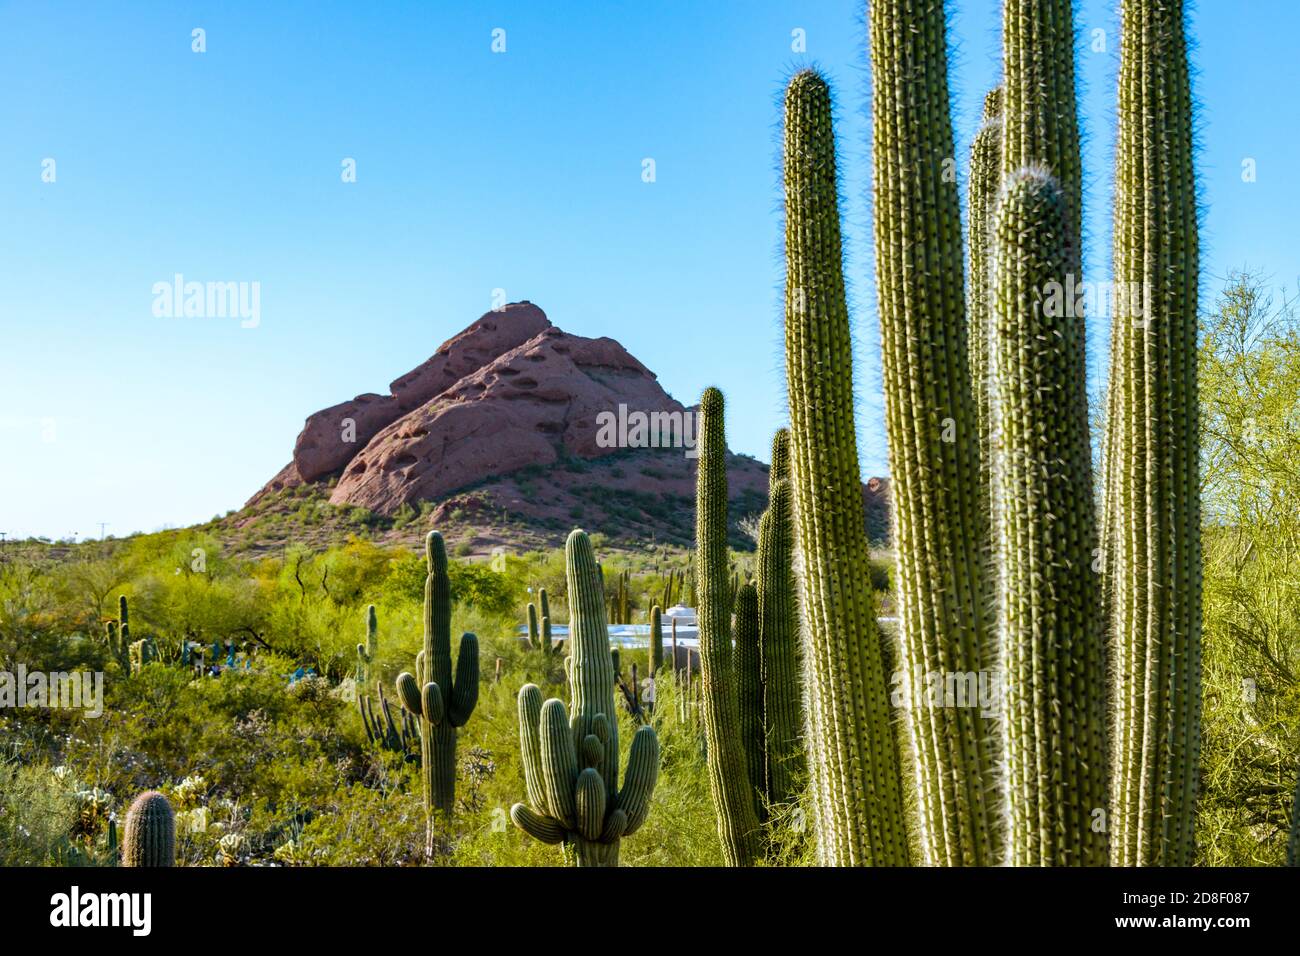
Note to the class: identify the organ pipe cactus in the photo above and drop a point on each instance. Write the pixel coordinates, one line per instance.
(729, 778)
(570, 757)
(149, 835)
(440, 704)
(931, 422)
(1152, 511)
(1051, 629)
(368, 652)
(857, 793)
(779, 632)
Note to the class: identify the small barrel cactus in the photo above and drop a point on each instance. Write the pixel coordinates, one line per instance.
(149, 836)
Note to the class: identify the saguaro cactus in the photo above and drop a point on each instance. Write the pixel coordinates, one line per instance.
(369, 651)
(856, 789)
(149, 835)
(733, 797)
(1152, 513)
(440, 704)
(571, 765)
(1051, 629)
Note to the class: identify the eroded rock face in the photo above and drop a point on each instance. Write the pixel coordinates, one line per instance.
(530, 406)
(323, 446)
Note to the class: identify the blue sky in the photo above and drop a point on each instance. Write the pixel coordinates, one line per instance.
(476, 171)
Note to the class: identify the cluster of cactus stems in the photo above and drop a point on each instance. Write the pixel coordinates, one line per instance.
(383, 730)
(440, 704)
(855, 783)
(673, 583)
(368, 652)
(117, 635)
(620, 599)
(149, 834)
(1151, 515)
(571, 756)
(539, 630)
(730, 773)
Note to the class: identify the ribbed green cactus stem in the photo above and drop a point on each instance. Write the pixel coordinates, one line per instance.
(749, 693)
(1040, 125)
(856, 789)
(982, 192)
(1051, 632)
(780, 469)
(931, 422)
(571, 764)
(544, 608)
(729, 779)
(656, 640)
(534, 632)
(778, 626)
(1152, 514)
(149, 834)
(441, 703)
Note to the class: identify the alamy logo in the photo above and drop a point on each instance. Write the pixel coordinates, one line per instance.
(639, 429)
(209, 300)
(134, 910)
(57, 689)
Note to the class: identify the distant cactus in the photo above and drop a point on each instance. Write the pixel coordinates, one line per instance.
(430, 695)
(729, 779)
(539, 625)
(571, 760)
(656, 654)
(149, 835)
(368, 652)
(1293, 840)
(383, 730)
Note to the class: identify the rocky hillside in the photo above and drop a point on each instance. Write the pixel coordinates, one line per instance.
(516, 431)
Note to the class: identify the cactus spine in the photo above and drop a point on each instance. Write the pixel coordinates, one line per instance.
(571, 765)
(1152, 502)
(733, 796)
(149, 835)
(440, 704)
(779, 632)
(369, 651)
(856, 790)
(1051, 630)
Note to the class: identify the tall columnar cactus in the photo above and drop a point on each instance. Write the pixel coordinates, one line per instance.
(749, 693)
(544, 604)
(1051, 628)
(369, 651)
(1293, 840)
(985, 178)
(1152, 513)
(733, 796)
(778, 636)
(534, 632)
(656, 640)
(856, 789)
(571, 761)
(149, 836)
(940, 512)
(431, 695)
